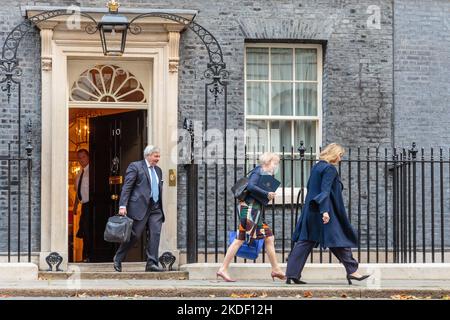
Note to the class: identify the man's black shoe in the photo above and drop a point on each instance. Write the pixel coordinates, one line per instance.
(153, 268)
(117, 265)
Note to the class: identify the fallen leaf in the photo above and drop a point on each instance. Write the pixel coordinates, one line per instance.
(307, 294)
(403, 297)
(244, 295)
(445, 298)
(344, 295)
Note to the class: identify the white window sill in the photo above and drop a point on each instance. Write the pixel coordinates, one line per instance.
(288, 196)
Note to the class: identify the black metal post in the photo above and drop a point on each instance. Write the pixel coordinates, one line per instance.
(441, 189)
(413, 151)
(432, 202)
(368, 204)
(386, 209)
(423, 205)
(376, 204)
(29, 149)
(9, 202)
(192, 199)
(192, 213)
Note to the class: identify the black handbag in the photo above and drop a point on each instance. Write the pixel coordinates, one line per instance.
(240, 187)
(118, 229)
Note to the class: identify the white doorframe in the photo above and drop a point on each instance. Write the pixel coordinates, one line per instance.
(162, 123)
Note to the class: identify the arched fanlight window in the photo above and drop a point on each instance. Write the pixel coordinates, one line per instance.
(107, 83)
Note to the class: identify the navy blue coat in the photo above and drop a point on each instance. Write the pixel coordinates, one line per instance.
(252, 186)
(325, 195)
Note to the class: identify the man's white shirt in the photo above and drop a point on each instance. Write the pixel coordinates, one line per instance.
(84, 188)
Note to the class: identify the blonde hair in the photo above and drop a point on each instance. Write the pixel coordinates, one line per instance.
(331, 152)
(267, 157)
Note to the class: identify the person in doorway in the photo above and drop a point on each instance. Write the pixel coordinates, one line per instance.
(251, 227)
(82, 192)
(141, 200)
(324, 220)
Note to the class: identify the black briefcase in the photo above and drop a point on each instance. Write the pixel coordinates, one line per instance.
(240, 188)
(118, 229)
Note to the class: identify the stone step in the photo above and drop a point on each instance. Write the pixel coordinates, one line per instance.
(112, 275)
(106, 267)
(130, 270)
(326, 271)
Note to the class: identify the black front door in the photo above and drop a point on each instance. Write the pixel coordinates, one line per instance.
(115, 141)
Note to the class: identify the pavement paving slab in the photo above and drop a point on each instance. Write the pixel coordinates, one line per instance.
(214, 289)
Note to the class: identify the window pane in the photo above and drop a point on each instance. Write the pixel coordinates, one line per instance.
(304, 172)
(306, 99)
(306, 64)
(294, 177)
(305, 131)
(287, 172)
(281, 60)
(280, 135)
(256, 136)
(257, 98)
(282, 99)
(257, 63)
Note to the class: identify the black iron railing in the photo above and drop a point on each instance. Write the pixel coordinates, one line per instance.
(397, 199)
(16, 204)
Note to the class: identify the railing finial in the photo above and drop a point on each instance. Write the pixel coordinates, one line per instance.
(413, 151)
(302, 149)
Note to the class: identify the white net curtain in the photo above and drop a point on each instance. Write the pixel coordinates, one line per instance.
(281, 98)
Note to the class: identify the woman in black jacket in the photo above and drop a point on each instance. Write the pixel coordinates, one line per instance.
(251, 224)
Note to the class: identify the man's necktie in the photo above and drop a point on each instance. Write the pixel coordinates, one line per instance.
(79, 185)
(155, 187)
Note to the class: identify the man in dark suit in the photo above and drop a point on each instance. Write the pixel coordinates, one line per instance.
(85, 229)
(141, 200)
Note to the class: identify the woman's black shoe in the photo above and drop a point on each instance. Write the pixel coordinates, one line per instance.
(296, 281)
(350, 278)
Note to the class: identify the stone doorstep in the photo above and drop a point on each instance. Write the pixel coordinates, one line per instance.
(299, 292)
(388, 271)
(16, 271)
(168, 275)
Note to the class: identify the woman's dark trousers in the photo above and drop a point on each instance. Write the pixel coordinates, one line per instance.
(299, 254)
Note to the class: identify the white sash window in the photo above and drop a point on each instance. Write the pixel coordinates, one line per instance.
(283, 99)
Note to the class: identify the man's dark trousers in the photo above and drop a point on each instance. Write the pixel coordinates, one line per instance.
(85, 229)
(153, 220)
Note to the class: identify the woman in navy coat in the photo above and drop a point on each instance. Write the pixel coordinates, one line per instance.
(324, 220)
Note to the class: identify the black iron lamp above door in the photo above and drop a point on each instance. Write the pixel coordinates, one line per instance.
(113, 30)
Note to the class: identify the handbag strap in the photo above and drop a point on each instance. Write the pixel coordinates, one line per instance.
(251, 171)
